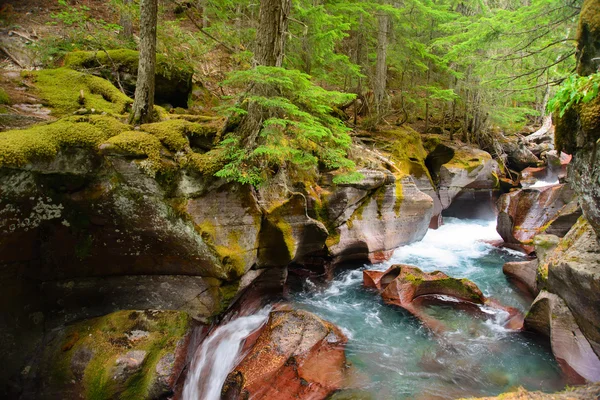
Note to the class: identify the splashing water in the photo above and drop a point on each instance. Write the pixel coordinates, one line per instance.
(543, 183)
(216, 357)
(394, 357)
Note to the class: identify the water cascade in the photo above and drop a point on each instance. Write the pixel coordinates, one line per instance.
(218, 355)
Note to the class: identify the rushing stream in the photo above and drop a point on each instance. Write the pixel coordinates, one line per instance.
(217, 356)
(394, 357)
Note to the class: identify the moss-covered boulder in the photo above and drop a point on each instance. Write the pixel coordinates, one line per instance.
(66, 91)
(173, 82)
(410, 288)
(125, 355)
(578, 130)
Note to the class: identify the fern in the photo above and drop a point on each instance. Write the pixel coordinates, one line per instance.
(575, 89)
(297, 130)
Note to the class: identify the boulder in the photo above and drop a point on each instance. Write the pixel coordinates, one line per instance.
(574, 275)
(372, 226)
(519, 156)
(173, 84)
(567, 217)
(410, 288)
(549, 315)
(94, 358)
(468, 184)
(297, 355)
(288, 234)
(524, 272)
(527, 212)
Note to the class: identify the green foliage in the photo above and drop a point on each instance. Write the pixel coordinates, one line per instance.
(575, 89)
(84, 33)
(296, 130)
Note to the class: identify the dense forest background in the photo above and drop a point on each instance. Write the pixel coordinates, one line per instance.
(466, 67)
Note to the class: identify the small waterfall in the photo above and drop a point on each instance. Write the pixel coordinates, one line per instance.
(217, 356)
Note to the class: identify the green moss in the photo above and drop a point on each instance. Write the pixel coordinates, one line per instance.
(124, 59)
(42, 142)
(227, 293)
(206, 164)
(399, 197)
(106, 338)
(137, 143)
(174, 133)
(60, 88)
(4, 99)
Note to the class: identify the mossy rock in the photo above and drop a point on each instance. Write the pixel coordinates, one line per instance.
(61, 90)
(588, 37)
(42, 142)
(85, 357)
(173, 83)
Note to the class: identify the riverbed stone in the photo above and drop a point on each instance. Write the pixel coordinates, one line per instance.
(296, 356)
(550, 316)
(527, 212)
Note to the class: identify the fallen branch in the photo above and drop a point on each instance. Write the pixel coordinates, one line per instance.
(13, 59)
(21, 35)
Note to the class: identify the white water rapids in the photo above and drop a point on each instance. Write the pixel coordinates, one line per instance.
(218, 355)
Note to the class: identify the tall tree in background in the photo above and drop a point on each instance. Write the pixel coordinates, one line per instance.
(143, 104)
(380, 84)
(126, 21)
(271, 34)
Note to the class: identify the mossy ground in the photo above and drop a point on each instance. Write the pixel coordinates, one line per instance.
(60, 89)
(106, 337)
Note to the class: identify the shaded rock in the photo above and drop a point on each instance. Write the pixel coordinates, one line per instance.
(519, 156)
(525, 213)
(550, 316)
(567, 217)
(468, 183)
(531, 175)
(524, 272)
(408, 287)
(296, 356)
(173, 85)
(98, 350)
(288, 234)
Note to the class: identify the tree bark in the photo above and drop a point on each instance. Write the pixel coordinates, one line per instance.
(143, 104)
(270, 37)
(125, 21)
(381, 64)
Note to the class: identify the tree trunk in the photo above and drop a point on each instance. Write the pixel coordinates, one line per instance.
(270, 37)
(143, 104)
(125, 21)
(381, 65)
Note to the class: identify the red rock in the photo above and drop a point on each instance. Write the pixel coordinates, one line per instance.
(408, 287)
(296, 356)
(525, 213)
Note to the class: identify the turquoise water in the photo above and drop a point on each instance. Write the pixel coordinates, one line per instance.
(393, 357)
